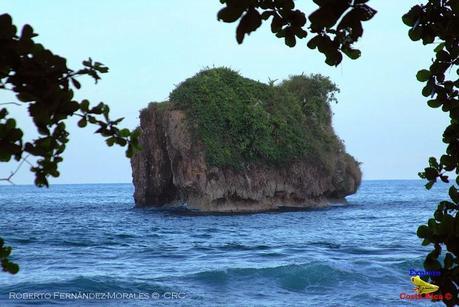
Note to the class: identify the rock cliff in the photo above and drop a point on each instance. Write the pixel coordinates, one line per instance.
(174, 169)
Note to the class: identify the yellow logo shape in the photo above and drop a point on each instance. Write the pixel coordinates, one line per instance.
(423, 287)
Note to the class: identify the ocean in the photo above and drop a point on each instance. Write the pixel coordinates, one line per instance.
(88, 245)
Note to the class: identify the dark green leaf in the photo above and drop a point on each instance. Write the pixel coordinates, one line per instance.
(230, 13)
(423, 75)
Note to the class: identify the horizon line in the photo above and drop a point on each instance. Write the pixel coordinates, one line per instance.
(107, 183)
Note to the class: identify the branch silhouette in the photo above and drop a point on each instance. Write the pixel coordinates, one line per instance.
(23, 160)
(8, 103)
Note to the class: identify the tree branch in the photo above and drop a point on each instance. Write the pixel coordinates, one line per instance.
(6, 103)
(23, 160)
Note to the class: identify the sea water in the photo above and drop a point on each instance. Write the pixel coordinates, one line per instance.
(88, 245)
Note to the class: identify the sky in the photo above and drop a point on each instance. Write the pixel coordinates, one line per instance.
(151, 46)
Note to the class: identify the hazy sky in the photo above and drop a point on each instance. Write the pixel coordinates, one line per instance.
(152, 45)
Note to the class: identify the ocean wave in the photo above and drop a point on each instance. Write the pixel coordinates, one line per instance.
(293, 277)
(407, 264)
(231, 247)
(243, 247)
(329, 245)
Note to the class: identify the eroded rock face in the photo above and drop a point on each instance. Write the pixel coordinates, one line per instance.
(172, 169)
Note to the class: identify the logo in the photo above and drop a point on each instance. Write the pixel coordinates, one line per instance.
(423, 287)
(424, 290)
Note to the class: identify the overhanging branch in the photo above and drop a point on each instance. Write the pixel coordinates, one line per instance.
(8, 179)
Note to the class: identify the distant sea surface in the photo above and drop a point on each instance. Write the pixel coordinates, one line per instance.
(87, 245)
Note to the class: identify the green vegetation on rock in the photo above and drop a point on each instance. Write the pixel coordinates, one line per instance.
(241, 121)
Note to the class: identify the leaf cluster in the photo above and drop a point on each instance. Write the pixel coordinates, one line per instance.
(336, 24)
(42, 81)
(438, 22)
(7, 265)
